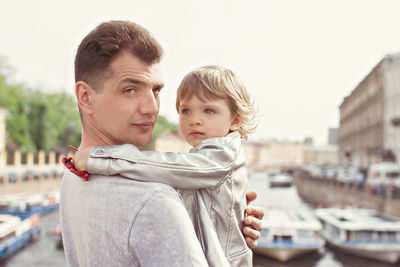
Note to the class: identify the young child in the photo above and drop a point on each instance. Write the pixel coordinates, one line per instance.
(215, 114)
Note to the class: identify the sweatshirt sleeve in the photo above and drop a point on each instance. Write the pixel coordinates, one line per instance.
(206, 166)
(163, 235)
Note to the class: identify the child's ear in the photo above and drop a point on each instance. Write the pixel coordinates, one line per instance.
(236, 123)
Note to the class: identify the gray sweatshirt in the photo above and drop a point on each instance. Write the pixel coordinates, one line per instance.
(114, 221)
(212, 179)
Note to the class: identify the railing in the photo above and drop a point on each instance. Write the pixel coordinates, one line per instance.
(326, 191)
(30, 175)
(396, 193)
(382, 191)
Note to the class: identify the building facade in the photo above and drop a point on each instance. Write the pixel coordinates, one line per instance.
(272, 155)
(370, 116)
(3, 154)
(333, 136)
(171, 142)
(321, 155)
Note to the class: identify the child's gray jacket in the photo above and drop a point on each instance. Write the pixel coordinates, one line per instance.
(212, 179)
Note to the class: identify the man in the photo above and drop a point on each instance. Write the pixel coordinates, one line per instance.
(112, 221)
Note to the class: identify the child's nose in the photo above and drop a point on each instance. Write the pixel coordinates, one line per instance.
(195, 119)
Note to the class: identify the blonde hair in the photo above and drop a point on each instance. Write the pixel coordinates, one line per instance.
(216, 82)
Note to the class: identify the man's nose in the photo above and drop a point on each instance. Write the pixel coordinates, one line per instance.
(149, 103)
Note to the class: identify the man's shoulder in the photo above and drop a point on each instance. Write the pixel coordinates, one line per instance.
(117, 187)
(114, 180)
(122, 198)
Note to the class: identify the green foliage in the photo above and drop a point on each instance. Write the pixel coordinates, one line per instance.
(42, 121)
(36, 120)
(54, 120)
(13, 99)
(161, 125)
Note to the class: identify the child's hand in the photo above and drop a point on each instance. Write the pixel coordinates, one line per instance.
(80, 159)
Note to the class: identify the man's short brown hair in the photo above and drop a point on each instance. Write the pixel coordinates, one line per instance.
(105, 42)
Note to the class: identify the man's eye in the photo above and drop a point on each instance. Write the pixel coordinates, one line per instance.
(210, 111)
(129, 90)
(156, 90)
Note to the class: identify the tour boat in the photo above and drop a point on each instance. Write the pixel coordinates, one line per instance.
(15, 233)
(288, 233)
(25, 205)
(280, 180)
(362, 232)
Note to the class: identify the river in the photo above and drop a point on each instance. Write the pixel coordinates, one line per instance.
(43, 252)
(288, 197)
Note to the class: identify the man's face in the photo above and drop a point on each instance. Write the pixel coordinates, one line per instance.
(126, 110)
(200, 120)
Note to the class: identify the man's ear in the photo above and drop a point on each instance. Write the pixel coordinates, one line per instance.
(236, 123)
(83, 94)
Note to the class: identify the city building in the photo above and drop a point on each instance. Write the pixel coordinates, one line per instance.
(333, 136)
(266, 155)
(321, 155)
(171, 142)
(273, 154)
(369, 128)
(3, 155)
(252, 152)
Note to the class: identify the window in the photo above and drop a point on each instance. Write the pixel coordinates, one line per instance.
(12, 178)
(392, 174)
(391, 236)
(264, 233)
(375, 174)
(303, 233)
(25, 178)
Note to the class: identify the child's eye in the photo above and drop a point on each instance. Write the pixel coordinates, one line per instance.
(185, 111)
(209, 111)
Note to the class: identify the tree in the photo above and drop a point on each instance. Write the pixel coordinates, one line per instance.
(62, 121)
(308, 140)
(161, 125)
(43, 121)
(13, 99)
(37, 121)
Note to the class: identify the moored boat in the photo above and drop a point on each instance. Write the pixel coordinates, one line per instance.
(24, 205)
(362, 232)
(289, 233)
(280, 180)
(15, 233)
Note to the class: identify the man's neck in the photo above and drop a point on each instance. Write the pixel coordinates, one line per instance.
(91, 136)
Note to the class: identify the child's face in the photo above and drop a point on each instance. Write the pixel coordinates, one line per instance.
(200, 120)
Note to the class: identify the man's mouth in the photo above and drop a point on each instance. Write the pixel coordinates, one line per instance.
(144, 126)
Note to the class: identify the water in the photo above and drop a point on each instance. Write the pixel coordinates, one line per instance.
(288, 197)
(43, 252)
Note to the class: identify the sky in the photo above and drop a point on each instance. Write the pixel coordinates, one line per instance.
(298, 59)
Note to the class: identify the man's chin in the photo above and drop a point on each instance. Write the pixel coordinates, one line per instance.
(141, 141)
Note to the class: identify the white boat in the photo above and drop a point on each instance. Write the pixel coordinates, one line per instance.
(25, 205)
(289, 233)
(383, 174)
(366, 233)
(15, 233)
(280, 180)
